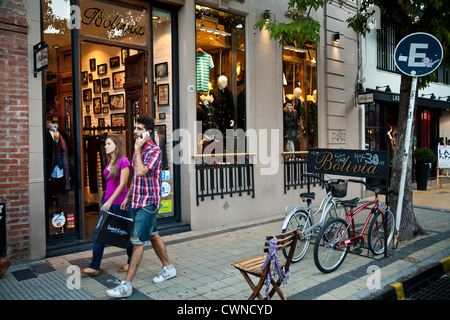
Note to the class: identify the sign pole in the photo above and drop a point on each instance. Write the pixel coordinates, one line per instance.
(416, 55)
(401, 192)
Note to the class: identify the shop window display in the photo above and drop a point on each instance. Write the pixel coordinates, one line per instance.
(300, 98)
(220, 78)
(59, 140)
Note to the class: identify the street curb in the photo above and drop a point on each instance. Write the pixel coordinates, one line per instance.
(404, 289)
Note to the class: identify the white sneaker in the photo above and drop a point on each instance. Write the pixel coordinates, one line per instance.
(165, 274)
(123, 290)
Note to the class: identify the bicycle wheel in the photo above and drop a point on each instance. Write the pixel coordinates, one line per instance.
(327, 256)
(376, 232)
(300, 221)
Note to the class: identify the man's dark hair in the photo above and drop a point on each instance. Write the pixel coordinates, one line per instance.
(148, 122)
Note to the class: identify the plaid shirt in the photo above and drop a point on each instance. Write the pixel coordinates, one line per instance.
(147, 189)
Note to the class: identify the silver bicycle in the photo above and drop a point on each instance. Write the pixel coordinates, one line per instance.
(304, 218)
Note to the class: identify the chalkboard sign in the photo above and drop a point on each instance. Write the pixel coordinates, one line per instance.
(358, 163)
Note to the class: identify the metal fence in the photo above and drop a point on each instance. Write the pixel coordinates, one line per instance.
(295, 166)
(213, 178)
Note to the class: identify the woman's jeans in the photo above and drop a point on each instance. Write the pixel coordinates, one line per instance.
(99, 247)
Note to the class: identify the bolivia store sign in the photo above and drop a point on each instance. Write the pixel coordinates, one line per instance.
(97, 17)
(113, 22)
(359, 163)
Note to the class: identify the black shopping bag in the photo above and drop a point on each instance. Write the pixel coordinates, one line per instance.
(113, 229)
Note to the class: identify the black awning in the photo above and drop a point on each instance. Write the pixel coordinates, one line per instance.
(393, 97)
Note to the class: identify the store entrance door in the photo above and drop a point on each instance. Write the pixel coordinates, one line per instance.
(136, 105)
(106, 111)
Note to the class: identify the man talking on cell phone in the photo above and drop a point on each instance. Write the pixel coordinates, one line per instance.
(145, 196)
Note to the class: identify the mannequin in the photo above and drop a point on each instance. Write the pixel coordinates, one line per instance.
(58, 172)
(290, 121)
(311, 115)
(390, 139)
(58, 156)
(224, 105)
(207, 115)
(241, 112)
(299, 105)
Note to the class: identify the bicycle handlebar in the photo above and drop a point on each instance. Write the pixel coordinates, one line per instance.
(376, 190)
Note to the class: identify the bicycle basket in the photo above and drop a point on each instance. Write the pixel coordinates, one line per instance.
(338, 189)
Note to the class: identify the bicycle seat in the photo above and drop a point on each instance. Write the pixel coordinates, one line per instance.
(306, 196)
(353, 203)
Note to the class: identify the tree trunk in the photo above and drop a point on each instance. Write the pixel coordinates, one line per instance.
(409, 227)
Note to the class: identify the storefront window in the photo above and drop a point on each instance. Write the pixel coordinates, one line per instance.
(300, 98)
(220, 45)
(59, 140)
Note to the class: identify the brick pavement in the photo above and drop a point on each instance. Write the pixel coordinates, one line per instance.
(204, 272)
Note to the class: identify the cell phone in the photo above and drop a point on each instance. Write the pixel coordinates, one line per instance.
(145, 134)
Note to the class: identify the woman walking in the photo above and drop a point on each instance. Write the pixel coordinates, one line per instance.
(116, 174)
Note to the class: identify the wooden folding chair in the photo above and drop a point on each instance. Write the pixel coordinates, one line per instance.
(253, 266)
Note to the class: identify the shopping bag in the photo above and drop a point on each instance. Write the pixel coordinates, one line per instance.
(113, 229)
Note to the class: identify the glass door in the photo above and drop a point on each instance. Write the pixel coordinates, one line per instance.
(163, 88)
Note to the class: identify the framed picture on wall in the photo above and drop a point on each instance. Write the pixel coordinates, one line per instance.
(116, 101)
(87, 121)
(87, 94)
(163, 94)
(84, 78)
(102, 69)
(160, 129)
(117, 119)
(92, 64)
(97, 86)
(125, 52)
(105, 109)
(105, 98)
(105, 82)
(118, 79)
(97, 105)
(101, 122)
(161, 70)
(114, 62)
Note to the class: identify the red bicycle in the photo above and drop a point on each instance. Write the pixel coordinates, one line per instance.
(338, 235)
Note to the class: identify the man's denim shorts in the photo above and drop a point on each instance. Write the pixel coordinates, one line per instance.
(145, 224)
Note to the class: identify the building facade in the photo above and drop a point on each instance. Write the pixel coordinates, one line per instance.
(231, 106)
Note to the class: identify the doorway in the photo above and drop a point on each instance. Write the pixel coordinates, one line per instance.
(118, 84)
(104, 112)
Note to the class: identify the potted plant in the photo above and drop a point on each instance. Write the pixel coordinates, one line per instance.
(424, 157)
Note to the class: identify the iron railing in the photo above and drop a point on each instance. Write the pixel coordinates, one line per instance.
(295, 166)
(216, 178)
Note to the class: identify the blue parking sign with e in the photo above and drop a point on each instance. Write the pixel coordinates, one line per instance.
(418, 54)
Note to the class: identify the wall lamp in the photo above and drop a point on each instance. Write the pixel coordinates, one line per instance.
(429, 94)
(336, 38)
(388, 89)
(448, 98)
(267, 15)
